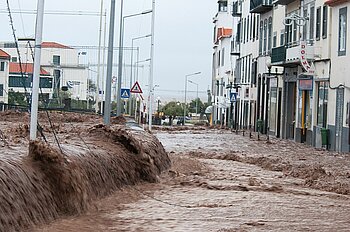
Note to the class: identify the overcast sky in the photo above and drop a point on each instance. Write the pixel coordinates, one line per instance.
(183, 34)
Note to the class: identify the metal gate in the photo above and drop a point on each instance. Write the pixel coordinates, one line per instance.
(339, 120)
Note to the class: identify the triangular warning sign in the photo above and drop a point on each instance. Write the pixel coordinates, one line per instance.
(136, 88)
(125, 94)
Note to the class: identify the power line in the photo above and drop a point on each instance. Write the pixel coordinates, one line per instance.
(57, 12)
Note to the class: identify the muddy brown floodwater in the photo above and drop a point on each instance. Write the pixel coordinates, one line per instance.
(220, 181)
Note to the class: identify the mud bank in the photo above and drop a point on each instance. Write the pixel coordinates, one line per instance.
(47, 184)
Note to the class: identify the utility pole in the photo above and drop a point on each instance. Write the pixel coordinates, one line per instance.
(107, 111)
(99, 62)
(120, 61)
(150, 80)
(36, 72)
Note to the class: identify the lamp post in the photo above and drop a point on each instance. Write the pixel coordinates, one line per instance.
(216, 99)
(120, 60)
(131, 63)
(196, 95)
(268, 101)
(188, 75)
(150, 80)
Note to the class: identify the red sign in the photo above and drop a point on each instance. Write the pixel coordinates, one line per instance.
(136, 88)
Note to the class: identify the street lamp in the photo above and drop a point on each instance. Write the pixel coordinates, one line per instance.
(188, 75)
(197, 95)
(120, 61)
(268, 65)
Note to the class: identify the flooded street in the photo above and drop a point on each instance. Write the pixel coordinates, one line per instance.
(220, 181)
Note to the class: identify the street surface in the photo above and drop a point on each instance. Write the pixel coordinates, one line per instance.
(220, 181)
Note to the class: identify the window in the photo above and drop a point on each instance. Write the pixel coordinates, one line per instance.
(244, 29)
(265, 36)
(238, 32)
(324, 22)
(222, 6)
(254, 27)
(14, 59)
(322, 102)
(2, 66)
(223, 57)
(342, 32)
(1, 90)
(312, 23)
(257, 26)
(318, 23)
(270, 34)
(306, 25)
(261, 39)
(282, 37)
(219, 59)
(251, 27)
(274, 41)
(56, 60)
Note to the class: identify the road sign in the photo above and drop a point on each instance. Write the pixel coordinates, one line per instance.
(233, 97)
(125, 93)
(136, 88)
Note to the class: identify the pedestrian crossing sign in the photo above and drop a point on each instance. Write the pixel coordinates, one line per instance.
(136, 88)
(233, 97)
(125, 93)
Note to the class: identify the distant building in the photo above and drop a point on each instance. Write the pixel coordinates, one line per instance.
(62, 64)
(4, 74)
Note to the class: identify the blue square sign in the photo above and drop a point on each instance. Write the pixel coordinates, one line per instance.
(125, 93)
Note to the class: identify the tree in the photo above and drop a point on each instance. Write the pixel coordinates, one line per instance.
(17, 98)
(193, 104)
(173, 108)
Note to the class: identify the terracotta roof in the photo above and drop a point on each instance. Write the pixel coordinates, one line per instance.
(54, 45)
(4, 55)
(335, 2)
(26, 68)
(223, 33)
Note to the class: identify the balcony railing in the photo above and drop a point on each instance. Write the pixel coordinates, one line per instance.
(260, 6)
(278, 55)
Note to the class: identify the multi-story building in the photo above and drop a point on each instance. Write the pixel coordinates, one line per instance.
(291, 70)
(62, 64)
(222, 65)
(337, 100)
(4, 73)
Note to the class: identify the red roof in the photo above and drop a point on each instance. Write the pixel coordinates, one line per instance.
(54, 45)
(335, 2)
(223, 33)
(26, 68)
(4, 55)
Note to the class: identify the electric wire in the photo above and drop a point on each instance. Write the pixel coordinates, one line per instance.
(46, 107)
(21, 15)
(27, 95)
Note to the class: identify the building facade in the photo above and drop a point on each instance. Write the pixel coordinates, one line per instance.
(62, 64)
(291, 72)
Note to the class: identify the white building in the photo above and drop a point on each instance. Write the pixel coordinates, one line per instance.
(62, 63)
(338, 117)
(4, 75)
(222, 63)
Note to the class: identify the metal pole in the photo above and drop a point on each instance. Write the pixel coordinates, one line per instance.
(150, 83)
(131, 67)
(36, 73)
(120, 60)
(103, 61)
(99, 62)
(185, 100)
(107, 111)
(197, 101)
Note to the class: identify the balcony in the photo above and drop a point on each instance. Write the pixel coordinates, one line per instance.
(236, 9)
(283, 2)
(260, 6)
(290, 56)
(278, 55)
